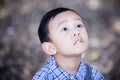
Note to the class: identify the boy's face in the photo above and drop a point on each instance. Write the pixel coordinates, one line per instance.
(68, 34)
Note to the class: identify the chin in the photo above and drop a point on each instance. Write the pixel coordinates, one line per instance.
(80, 51)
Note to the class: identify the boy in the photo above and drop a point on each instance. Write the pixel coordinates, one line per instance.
(64, 37)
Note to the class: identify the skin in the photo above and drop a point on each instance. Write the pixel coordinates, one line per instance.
(69, 39)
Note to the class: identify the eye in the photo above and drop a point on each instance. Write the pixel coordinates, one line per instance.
(64, 29)
(79, 26)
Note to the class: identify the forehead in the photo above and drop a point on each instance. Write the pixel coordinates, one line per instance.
(64, 16)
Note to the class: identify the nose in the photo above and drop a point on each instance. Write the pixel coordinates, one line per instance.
(76, 33)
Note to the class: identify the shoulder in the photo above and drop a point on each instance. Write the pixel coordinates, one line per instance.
(92, 72)
(43, 73)
(96, 74)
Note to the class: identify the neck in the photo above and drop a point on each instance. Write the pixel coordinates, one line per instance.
(70, 64)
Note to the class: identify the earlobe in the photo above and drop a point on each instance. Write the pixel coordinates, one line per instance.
(48, 48)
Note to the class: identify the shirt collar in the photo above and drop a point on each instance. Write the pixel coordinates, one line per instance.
(58, 72)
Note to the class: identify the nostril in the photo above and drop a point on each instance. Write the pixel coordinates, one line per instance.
(77, 34)
(74, 34)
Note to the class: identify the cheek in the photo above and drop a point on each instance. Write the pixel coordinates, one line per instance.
(85, 34)
(62, 43)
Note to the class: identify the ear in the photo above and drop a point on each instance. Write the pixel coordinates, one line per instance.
(48, 48)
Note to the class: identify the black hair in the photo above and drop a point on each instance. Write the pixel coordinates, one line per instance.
(43, 29)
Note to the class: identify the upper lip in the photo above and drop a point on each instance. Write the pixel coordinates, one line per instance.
(78, 40)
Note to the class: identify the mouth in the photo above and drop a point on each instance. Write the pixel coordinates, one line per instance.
(78, 41)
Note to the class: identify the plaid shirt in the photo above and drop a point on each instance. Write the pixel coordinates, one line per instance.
(51, 71)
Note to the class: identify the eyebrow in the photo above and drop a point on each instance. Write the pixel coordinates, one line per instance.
(76, 19)
(62, 22)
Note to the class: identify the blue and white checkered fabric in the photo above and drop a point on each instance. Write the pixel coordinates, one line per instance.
(51, 71)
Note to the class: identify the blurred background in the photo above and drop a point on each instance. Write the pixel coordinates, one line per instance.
(20, 51)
